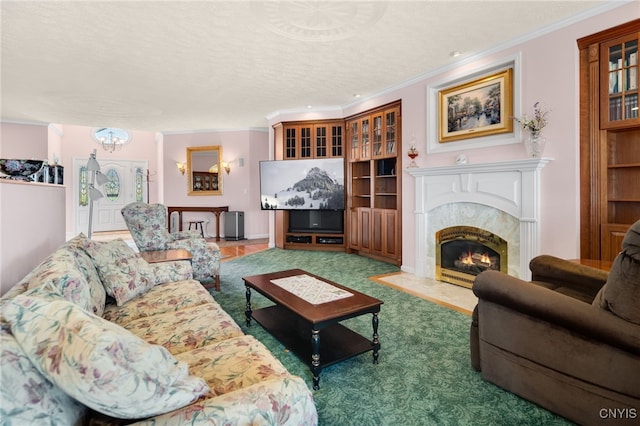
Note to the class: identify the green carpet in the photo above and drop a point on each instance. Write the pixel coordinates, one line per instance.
(424, 376)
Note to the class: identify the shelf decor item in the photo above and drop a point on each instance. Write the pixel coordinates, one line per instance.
(534, 143)
(413, 154)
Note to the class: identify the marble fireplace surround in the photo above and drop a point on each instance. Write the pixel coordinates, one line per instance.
(502, 197)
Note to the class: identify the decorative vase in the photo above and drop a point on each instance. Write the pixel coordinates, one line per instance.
(534, 144)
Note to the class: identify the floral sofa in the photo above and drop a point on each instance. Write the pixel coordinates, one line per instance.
(95, 335)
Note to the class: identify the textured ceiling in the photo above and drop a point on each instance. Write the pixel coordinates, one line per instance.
(189, 65)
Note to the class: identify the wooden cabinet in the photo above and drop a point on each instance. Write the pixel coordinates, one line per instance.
(302, 140)
(374, 134)
(371, 142)
(374, 184)
(313, 139)
(609, 139)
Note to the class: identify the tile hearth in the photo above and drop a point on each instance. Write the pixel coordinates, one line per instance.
(452, 296)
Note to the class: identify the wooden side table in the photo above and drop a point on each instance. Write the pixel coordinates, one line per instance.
(157, 256)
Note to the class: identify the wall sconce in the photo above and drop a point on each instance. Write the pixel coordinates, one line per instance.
(225, 166)
(181, 168)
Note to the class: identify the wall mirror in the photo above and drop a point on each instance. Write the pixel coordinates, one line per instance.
(203, 170)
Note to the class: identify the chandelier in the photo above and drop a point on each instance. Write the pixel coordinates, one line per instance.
(111, 139)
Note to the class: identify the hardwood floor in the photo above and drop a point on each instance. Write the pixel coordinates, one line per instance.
(233, 252)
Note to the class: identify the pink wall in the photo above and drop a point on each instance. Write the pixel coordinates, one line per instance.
(240, 187)
(30, 232)
(26, 142)
(550, 74)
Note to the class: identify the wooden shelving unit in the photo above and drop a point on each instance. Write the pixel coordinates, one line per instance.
(609, 139)
(305, 140)
(374, 184)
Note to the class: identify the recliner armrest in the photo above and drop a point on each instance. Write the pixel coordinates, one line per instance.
(558, 309)
(564, 273)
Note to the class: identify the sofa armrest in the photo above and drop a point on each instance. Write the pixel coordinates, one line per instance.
(182, 235)
(278, 401)
(564, 273)
(559, 309)
(168, 272)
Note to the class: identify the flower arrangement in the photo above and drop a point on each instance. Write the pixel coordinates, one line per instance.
(535, 124)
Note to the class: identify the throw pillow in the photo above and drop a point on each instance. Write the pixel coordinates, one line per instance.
(99, 363)
(60, 269)
(123, 272)
(621, 293)
(85, 264)
(31, 396)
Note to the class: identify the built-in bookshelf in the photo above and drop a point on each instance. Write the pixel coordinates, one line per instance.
(375, 187)
(609, 136)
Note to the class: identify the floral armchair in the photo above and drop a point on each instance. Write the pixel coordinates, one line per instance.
(148, 226)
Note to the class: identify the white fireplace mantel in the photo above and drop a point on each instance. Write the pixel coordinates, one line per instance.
(512, 187)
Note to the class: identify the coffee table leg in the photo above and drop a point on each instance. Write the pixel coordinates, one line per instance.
(315, 358)
(248, 311)
(376, 341)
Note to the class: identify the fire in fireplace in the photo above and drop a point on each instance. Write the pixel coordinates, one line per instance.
(462, 252)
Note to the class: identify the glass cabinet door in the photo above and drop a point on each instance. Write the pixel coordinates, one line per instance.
(305, 142)
(376, 134)
(620, 81)
(391, 132)
(290, 143)
(336, 141)
(321, 141)
(354, 137)
(364, 138)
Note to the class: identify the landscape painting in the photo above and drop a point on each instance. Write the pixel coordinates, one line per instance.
(477, 108)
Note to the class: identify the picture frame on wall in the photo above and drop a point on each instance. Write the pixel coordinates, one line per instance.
(476, 108)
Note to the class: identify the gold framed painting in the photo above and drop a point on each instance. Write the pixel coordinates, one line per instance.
(477, 108)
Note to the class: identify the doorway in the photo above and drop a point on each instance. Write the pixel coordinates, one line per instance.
(127, 183)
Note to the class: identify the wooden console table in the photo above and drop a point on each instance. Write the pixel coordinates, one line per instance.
(215, 210)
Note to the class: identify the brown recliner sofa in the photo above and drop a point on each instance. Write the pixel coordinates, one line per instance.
(569, 340)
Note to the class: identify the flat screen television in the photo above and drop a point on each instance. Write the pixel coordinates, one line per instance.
(313, 184)
(319, 221)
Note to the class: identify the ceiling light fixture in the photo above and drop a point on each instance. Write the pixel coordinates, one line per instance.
(111, 139)
(455, 53)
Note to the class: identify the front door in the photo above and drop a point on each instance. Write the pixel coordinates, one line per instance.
(126, 184)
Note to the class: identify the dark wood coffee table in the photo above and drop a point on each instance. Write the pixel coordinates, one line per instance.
(298, 324)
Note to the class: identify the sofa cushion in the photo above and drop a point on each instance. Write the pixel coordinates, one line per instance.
(169, 297)
(30, 396)
(97, 362)
(233, 364)
(187, 328)
(60, 269)
(122, 271)
(621, 293)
